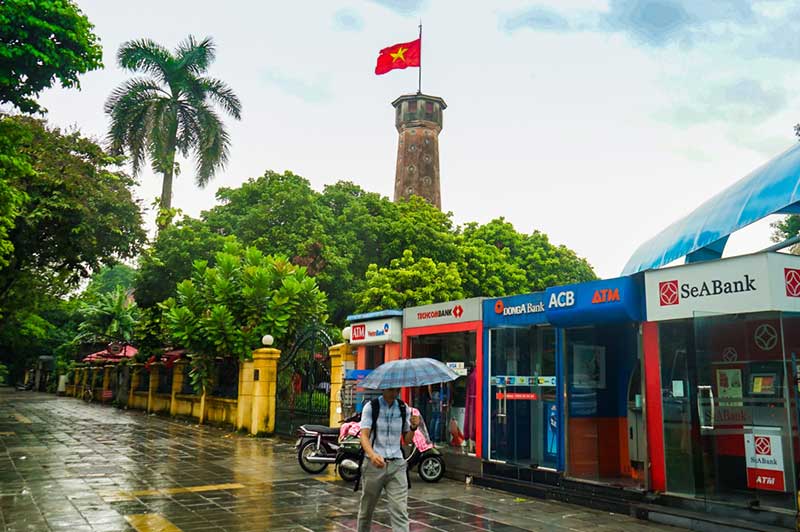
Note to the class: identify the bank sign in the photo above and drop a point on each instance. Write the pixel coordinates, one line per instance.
(596, 302)
(753, 283)
(764, 454)
(525, 309)
(379, 331)
(443, 313)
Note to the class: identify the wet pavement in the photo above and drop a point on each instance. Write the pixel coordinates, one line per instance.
(70, 466)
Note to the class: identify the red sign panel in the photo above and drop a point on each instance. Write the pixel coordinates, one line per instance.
(765, 479)
(358, 332)
(668, 293)
(792, 277)
(516, 396)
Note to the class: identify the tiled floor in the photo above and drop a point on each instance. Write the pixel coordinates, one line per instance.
(70, 466)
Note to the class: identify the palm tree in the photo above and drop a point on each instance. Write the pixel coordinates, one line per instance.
(172, 111)
(111, 317)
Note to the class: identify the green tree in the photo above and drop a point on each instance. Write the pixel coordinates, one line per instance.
(109, 278)
(786, 228)
(13, 167)
(171, 112)
(44, 326)
(408, 282)
(335, 234)
(225, 310)
(77, 214)
(110, 317)
(42, 41)
(169, 259)
(497, 273)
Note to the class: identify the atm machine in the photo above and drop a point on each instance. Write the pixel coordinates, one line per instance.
(637, 439)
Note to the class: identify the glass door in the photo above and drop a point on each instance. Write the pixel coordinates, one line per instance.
(739, 414)
(523, 416)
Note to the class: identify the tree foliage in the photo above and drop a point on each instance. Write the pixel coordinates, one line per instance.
(77, 213)
(41, 42)
(225, 310)
(172, 111)
(408, 282)
(169, 259)
(786, 228)
(339, 232)
(108, 317)
(108, 279)
(13, 167)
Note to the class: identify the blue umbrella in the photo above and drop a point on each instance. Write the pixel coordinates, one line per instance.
(408, 372)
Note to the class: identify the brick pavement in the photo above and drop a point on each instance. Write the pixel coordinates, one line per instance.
(70, 466)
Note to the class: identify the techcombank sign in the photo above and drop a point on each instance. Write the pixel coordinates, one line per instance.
(752, 283)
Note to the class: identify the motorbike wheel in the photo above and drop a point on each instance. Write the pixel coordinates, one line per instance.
(431, 469)
(306, 450)
(348, 475)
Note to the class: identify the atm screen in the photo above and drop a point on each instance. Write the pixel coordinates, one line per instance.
(763, 383)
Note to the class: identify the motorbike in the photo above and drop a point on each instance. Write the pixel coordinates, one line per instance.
(317, 446)
(422, 454)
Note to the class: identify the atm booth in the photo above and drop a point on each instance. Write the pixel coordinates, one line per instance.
(522, 389)
(377, 337)
(603, 415)
(452, 333)
(727, 336)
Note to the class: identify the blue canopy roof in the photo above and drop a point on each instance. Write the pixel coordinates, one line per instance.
(702, 235)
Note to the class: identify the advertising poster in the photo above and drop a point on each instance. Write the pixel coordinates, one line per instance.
(589, 366)
(729, 386)
(551, 430)
(764, 455)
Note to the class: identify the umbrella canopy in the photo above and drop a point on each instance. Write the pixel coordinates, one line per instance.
(408, 372)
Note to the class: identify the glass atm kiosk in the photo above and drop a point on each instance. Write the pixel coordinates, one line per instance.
(728, 424)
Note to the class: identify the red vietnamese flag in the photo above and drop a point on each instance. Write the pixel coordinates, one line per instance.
(401, 55)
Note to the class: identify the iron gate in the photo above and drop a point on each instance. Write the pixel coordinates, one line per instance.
(304, 381)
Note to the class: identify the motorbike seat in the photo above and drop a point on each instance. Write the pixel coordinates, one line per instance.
(322, 429)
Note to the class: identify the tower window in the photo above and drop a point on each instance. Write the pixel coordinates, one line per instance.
(429, 107)
(412, 106)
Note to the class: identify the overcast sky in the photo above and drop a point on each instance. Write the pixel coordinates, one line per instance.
(597, 122)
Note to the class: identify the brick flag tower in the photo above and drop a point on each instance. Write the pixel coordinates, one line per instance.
(418, 118)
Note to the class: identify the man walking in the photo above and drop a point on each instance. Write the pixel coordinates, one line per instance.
(385, 467)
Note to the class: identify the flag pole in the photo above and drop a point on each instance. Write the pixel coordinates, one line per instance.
(419, 89)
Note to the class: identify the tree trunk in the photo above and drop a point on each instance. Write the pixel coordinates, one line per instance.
(166, 188)
(169, 167)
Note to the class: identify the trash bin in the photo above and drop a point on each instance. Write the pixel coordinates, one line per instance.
(62, 385)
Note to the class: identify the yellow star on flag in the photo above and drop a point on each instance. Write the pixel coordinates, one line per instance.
(399, 54)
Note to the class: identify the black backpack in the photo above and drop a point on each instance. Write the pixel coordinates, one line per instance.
(376, 410)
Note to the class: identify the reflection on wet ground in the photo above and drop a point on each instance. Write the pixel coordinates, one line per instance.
(66, 465)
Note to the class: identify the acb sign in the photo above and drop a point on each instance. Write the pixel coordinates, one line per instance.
(563, 299)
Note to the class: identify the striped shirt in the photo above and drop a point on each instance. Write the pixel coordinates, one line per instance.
(390, 428)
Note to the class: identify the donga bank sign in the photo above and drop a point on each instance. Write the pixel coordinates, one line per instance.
(515, 310)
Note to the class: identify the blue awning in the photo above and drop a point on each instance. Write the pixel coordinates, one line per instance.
(702, 235)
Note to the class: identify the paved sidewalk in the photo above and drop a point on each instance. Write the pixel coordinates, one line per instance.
(70, 466)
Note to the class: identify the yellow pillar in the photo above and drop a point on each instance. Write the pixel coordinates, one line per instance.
(155, 375)
(106, 381)
(341, 360)
(177, 385)
(265, 385)
(244, 403)
(135, 376)
(84, 381)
